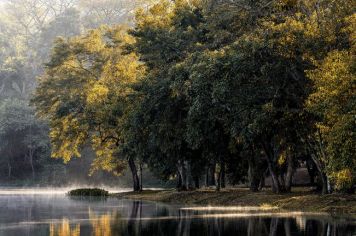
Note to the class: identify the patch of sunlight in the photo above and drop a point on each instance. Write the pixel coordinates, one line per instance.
(231, 208)
(294, 214)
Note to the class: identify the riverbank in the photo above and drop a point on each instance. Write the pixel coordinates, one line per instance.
(301, 199)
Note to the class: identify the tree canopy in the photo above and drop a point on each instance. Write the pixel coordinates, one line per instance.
(217, 88)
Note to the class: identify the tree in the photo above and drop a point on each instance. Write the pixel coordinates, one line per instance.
(334, 103)
(84, 95)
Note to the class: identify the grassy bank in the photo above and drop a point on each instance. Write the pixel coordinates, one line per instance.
(301, 199)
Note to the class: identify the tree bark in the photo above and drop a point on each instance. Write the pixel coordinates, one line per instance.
(311, 171)
(30, 157)
(189, 179)
(322, 174)
(141, 183)
(179, 181)
(252, 176)
(262, 183)
(218, 179)
(135, 178)
(289, 174)
(223, 178)
(183, 174)
(8, 170)
(196, 182)
(276, 187)
(212, 181)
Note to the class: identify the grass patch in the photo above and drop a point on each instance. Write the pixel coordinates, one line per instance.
(88, 192)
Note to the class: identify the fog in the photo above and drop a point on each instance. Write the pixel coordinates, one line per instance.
(28, 29)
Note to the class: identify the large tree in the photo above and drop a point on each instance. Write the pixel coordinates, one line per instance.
(84, 95)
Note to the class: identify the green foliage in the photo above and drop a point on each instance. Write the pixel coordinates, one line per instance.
(195, 86)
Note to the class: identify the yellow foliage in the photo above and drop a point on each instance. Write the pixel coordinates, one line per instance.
(97, 94)
(282, 158)
(64, 229)
(343, 179)
(101, 224)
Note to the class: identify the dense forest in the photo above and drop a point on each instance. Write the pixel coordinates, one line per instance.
(203, 92)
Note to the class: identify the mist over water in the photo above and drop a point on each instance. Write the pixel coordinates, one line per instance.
(51, 212)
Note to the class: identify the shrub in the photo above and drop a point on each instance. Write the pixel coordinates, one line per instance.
(92, 192)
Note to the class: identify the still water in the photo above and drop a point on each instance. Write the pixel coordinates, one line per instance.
(43, 213)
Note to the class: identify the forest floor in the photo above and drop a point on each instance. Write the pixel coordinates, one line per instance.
(301, 199)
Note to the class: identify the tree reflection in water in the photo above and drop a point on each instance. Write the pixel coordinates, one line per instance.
(64, 229)
(165, 221)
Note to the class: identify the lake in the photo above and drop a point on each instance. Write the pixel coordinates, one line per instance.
(50, 212)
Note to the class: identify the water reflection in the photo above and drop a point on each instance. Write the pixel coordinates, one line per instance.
(64, 229)
(62, 216)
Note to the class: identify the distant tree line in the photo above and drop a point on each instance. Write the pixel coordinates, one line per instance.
(211, 91)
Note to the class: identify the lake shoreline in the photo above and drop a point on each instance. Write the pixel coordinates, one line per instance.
(301, 199)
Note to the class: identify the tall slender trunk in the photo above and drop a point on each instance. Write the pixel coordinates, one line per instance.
(206, 176)
(223, 177)
(218, 179)
(179, 181)
(289, 174)
(183, 174)
(30, 157)
(189, 179)
(253, 175)
(141, 179)
(276, 186)
(135, 178)
(9, 170)
(311, 171)
(263, 180)
(196, 182)
(31, 153)
(212, 168)
(322, 175)
(275, 182)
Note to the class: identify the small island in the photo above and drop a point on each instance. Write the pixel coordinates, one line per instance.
(88, 192)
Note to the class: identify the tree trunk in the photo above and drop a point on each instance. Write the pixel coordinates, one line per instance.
(322, 175)
(30, 157)
(276, 187)
(207, 176)
(8, 170)
(311, 171)
(179, 181)
(289, 174)
(253, 181)
(189, 179)
(135, 178)
(141, 183)
(196, 182)
(223, 178)
(183, 174)
(212, 181)
(262, 183)
(218, 179)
